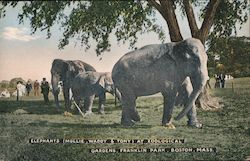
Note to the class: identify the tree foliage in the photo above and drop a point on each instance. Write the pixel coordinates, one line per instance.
(229, 13)
(91, 20)
(234, 55)
(96, 20)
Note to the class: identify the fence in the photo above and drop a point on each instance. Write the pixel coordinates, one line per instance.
(238, 85)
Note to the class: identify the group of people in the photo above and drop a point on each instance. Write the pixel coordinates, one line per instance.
(219, 81)
(45, 88)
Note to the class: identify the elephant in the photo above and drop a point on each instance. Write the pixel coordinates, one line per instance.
(65, 71)
(161, 68)
(87, 85)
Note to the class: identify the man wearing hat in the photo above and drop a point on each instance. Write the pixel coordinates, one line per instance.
(45, 90)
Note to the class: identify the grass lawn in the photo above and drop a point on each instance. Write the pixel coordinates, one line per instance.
(227, 130)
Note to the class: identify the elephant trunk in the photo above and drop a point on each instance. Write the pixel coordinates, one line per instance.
(55, 89)
(198, 83)
(118, 94)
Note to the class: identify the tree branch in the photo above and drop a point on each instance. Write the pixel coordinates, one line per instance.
(208, 20)
(191, 18)
(156, 5)
(168, 14)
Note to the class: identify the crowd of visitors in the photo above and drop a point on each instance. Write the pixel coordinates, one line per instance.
(26, 89)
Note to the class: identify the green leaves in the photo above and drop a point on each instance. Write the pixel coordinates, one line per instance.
(234, 54)
(93, 22)
(43, 14)
(89, 21)
(96, 20)
(229, 13)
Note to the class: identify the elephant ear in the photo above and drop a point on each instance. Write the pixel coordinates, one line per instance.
(79, 67)
(105, 79)
(169, 47)
(69, 71)
(182, 51)
(73, 68)
(108, 79)
(101, 81)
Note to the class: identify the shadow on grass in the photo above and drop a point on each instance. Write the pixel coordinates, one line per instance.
(82, 125)
(31, 106)
(39, 107)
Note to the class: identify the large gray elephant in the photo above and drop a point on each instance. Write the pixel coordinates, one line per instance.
(161, 68)
(65, 71)
(87, 85)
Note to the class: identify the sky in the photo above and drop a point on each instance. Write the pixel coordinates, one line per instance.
(30, 56)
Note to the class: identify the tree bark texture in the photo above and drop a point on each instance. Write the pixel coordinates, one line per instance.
(166, 9)
(208, 20)
(191, 18)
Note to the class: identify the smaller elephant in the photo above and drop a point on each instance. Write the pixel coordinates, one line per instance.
(64, 71)
(87, 85)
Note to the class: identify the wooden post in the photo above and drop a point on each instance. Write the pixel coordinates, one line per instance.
(17, 95)
(233, 86)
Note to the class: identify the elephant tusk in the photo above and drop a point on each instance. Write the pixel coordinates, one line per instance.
(78, 108)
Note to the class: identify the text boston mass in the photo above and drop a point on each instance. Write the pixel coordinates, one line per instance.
(154, 150)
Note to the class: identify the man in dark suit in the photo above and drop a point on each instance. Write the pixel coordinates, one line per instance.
(45, 90)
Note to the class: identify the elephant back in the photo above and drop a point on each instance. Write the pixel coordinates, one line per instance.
(144, 57)
(88, 67)
(75, 67)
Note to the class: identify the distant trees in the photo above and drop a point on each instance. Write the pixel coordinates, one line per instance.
(13, 82)
(4, 84)
(233, 53)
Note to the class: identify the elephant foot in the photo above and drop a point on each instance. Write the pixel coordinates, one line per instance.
(196, 124)
(169, 126)
(67, 114)
(127, 122)
(101, 112)
(136, 117)
(88, 113)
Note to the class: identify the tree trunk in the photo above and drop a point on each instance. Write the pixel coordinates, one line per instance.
(167, 10)
(205, 100)
(169, 15)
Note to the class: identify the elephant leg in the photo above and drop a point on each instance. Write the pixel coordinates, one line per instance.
(56, 100)
(66, 98)
(129, 112)
(169, 101)
(77, 100)
(102, 100)
(192, 118)
(88, 103)
(192, 114)
(181, 97)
